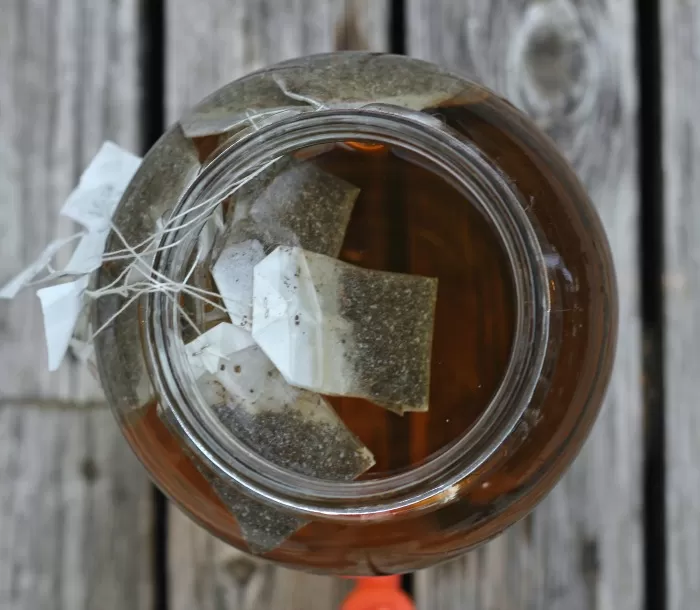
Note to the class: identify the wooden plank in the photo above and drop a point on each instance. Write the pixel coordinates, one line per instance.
(209, 44)
(680, 88)
(74, 503)
(75, 528)
(212, 43)
(570, 65)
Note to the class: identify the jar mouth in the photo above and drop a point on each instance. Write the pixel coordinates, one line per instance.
(463, 165)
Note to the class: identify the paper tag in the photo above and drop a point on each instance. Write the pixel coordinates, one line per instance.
(10, 290)
(101, 187)
(88, 255)
(208, 351)
(61, 306)
(233, 274)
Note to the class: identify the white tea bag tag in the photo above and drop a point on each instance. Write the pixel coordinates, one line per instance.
(233, 274)
(61, 306)
(10, 290)
(206, 353)
(101, 187)
(87, 256)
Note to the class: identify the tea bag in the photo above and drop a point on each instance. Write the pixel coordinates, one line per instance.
(294, 203)
(337, 329)
(344, 81)
(290, 427)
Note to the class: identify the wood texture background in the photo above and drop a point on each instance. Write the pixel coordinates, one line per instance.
(681, 167)
(569, 65)
(75, 505)
(76, 509)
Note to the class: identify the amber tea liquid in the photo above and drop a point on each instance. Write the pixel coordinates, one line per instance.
(408, 219)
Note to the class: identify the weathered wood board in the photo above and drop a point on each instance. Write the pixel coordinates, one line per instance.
(75, 506)
(680, 89)
(209, 44)
(570, 65)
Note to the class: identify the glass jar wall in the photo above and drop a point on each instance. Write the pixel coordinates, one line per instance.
(453, 184)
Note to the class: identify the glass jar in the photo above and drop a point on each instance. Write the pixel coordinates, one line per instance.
(456, 184)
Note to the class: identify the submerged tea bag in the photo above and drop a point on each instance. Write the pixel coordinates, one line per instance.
(293, 203)
(337, 329)
(342, 81)
(290, 427)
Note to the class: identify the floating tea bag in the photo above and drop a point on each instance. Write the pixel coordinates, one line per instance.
(294, 203)
(337, 329)
(290, 427)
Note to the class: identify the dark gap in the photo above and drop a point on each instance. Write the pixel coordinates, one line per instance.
(397, 27)
(152, 71)
(152, 56)
(651, 263)
(160, 550)
(407, 584)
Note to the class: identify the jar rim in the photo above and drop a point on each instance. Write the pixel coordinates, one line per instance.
(430, 482)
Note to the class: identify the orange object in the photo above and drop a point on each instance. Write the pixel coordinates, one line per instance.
(378, 593)
(366, 146)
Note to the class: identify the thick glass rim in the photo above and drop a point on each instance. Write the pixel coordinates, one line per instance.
(468, 170)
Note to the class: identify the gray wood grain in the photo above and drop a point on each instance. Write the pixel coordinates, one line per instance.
(681, 154)
(208, 575)
(212, 43)
(75, 527)
(74, 503)
(570, 65)
(209, 44)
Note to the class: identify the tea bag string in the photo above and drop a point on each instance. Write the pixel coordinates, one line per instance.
(279, 81)
(209, 204)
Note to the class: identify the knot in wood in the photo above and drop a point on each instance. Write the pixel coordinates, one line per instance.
(241, 569)
(554, 62)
